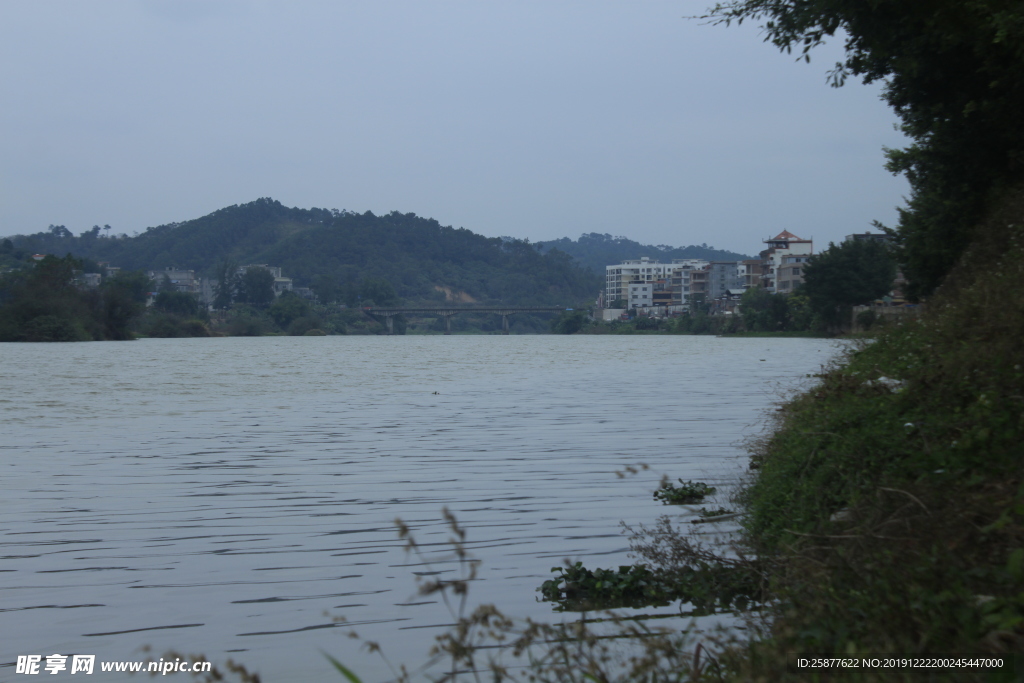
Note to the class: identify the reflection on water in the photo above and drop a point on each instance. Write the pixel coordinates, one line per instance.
(231, 496)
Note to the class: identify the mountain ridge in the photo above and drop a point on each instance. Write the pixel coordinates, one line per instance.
(595, 251)
(327, 250)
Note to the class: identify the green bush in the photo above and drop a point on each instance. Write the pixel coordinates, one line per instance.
(301, 326)
(866, 319)
(195, 328)
(246, 326)
(51, 328)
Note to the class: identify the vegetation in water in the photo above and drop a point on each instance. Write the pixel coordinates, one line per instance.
(577, 588)
(686, 492)
(710, 514)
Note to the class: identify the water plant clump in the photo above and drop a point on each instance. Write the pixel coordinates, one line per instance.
(709, 587)
(578, 589)
(708, 514)
(687, 492)
(674, 564)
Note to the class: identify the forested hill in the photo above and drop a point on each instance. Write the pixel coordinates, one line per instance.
(329, 250)
(595, 251)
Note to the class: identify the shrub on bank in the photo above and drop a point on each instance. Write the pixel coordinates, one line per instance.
(889, 499)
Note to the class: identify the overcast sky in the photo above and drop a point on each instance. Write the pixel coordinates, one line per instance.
(530, 119)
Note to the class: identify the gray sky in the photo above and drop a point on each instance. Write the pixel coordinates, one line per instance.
(530, 119)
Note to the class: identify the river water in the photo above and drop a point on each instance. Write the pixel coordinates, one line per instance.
(232, 496)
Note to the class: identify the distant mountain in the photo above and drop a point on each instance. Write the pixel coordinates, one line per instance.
(329, 250)
(595, 251)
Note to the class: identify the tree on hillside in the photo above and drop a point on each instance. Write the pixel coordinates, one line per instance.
(184, 304)
(845, 275)
(333, 252)
(226, 275)
(954, 74)
(123, 300)
(43, 303)
(377, 292)
(595, 251)
(287, 308)
(256, 287)
(327, 289)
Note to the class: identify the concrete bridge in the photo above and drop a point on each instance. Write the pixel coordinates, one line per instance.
(447, 312)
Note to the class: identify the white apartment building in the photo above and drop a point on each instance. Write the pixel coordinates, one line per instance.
(618, 277)
(782, 245)
(641, 295)
(645, 272)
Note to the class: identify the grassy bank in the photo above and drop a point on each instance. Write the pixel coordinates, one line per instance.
(889, 500)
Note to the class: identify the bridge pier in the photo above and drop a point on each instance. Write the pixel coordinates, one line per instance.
(504, 323)
(447, 322)
(389, 321)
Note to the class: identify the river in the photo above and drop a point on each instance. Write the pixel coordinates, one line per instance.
(231, 496)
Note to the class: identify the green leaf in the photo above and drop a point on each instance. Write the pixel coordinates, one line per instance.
(1015, 565)
(345, 671)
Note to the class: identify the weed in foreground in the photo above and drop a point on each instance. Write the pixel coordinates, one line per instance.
(485, 644)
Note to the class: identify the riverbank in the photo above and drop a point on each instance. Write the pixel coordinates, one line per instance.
(889, 500)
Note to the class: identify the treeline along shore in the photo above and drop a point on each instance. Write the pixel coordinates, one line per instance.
(335, 261)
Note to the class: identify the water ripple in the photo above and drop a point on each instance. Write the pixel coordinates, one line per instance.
(260, 476)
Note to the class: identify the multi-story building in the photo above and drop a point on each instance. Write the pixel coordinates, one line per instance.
(873, 236)
(648, 282)
(699, 283)
(274, 270)
(88, 280)
(641, 294)
(679, 283)
(662, 295)
(723, 276)
(782, 245)
(790, 274)
(619, 277)
(749, 273)
(182, 280)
